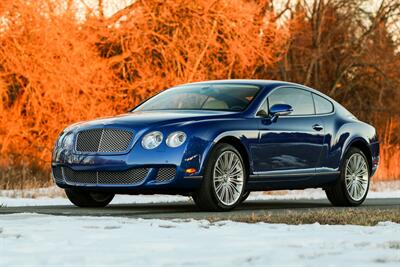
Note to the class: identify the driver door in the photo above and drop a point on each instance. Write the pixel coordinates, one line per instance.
(291, 144)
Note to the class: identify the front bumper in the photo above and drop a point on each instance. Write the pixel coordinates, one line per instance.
(138, 179)
(134, 170)
(139, 171)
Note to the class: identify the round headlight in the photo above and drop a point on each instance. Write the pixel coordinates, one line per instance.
(152, 140)
(176, 139)
(68, 141)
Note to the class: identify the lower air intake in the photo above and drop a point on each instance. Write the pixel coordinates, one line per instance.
(57, 174)
(165, 174)
(129, 177)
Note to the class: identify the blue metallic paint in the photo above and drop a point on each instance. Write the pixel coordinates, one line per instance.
(283, 154)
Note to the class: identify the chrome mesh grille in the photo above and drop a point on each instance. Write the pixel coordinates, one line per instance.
(165, 174)
(79, 177)
(103, 140)
(57, 174)
(115, 140)
(88, 140)
(132, 176)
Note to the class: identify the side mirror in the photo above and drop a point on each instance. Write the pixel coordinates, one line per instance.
(280, 110)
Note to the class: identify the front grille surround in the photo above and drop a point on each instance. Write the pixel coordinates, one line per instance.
(133, 176)
(103, 140)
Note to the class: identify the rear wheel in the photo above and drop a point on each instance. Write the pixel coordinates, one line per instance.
(223, 182)
(88, 199)
(352, 186)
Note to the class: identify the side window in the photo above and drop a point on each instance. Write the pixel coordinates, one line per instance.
(322, 105)
(300, 100)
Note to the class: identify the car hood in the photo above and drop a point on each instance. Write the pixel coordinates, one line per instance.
(144, 119)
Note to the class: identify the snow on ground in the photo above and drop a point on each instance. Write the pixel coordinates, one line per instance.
(44, 240)
(8, 198)
(119, 199)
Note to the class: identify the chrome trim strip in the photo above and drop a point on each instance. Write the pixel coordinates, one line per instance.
(287, 172)
(193, 177)
(282, 175)
(101, 140)
(237, 133)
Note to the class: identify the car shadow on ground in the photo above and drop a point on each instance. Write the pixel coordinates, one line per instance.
(187, 206)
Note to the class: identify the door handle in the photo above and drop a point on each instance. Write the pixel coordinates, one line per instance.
(317, 127)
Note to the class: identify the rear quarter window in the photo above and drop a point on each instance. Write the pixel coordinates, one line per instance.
(322, 105)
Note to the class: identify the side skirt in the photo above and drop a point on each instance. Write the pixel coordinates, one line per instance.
(293, 179)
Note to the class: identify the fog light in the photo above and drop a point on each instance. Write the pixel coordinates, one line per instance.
(190, 170)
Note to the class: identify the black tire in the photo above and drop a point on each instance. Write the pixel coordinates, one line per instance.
(205, 197)
(338, 194)
(88, 199)
(245, 195)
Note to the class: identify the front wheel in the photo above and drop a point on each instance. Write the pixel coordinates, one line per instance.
(88, 199)
(223, 183)
(352, 186)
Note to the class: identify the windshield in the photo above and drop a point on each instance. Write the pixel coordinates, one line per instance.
(224, 97)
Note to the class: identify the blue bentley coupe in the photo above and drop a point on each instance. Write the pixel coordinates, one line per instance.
(217, 141)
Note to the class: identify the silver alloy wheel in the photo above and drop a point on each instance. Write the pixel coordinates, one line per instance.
(356, 176)
(228, 178)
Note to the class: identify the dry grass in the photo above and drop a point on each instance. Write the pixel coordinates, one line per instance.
(45, 192)
(24, 175)
(332, 216)
(389, 167)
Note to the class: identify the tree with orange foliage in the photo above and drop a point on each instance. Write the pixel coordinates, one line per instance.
(56, 69)
(350, 51)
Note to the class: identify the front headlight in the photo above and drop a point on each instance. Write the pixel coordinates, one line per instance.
(176, 139)
(68, 141)
(152, 140)
(59, 140)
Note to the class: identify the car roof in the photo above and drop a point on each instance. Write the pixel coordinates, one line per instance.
(240, 81)
(267, 85)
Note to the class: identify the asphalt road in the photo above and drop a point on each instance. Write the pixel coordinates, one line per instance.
(187, 210)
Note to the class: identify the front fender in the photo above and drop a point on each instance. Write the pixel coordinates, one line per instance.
(204, 136)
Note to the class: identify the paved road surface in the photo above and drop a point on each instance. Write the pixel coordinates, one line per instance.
(185, 210)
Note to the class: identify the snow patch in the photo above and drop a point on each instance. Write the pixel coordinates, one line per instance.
(44, 240)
